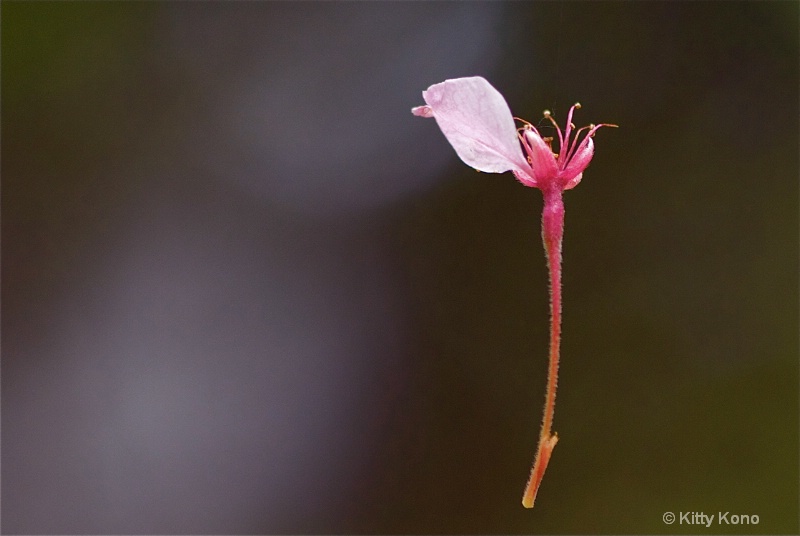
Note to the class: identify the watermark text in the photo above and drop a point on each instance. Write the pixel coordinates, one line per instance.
(702, 518)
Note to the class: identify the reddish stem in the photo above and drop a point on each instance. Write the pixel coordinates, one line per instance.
(552, 234)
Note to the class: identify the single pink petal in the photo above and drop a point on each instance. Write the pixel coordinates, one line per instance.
(580, 160)
(476, 120)
(573, 182)
(543, 163)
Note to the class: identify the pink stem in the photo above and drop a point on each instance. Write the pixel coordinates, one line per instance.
(552, 235)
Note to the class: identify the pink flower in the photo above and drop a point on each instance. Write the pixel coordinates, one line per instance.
(477, 122)
(475, 119)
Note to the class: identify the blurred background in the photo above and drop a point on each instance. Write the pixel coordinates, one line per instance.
(245, 291)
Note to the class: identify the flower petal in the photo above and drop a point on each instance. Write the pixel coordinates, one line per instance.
(573, 182)
(580, 160)
(476, 120)
(543, 162)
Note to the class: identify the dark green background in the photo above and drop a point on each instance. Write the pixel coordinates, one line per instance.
(679, 381)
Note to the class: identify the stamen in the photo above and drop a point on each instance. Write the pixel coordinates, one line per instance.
(569, 141)
(592, 128)
(549, 116)
(525, 143)
(569, 145)
(527, 123)
(574, 145)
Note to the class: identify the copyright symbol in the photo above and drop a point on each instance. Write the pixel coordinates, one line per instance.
(669, 518)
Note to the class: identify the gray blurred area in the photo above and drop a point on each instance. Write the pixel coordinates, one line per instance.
(245, 291)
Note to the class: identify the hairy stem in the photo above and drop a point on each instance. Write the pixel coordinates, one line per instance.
(552, 234)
